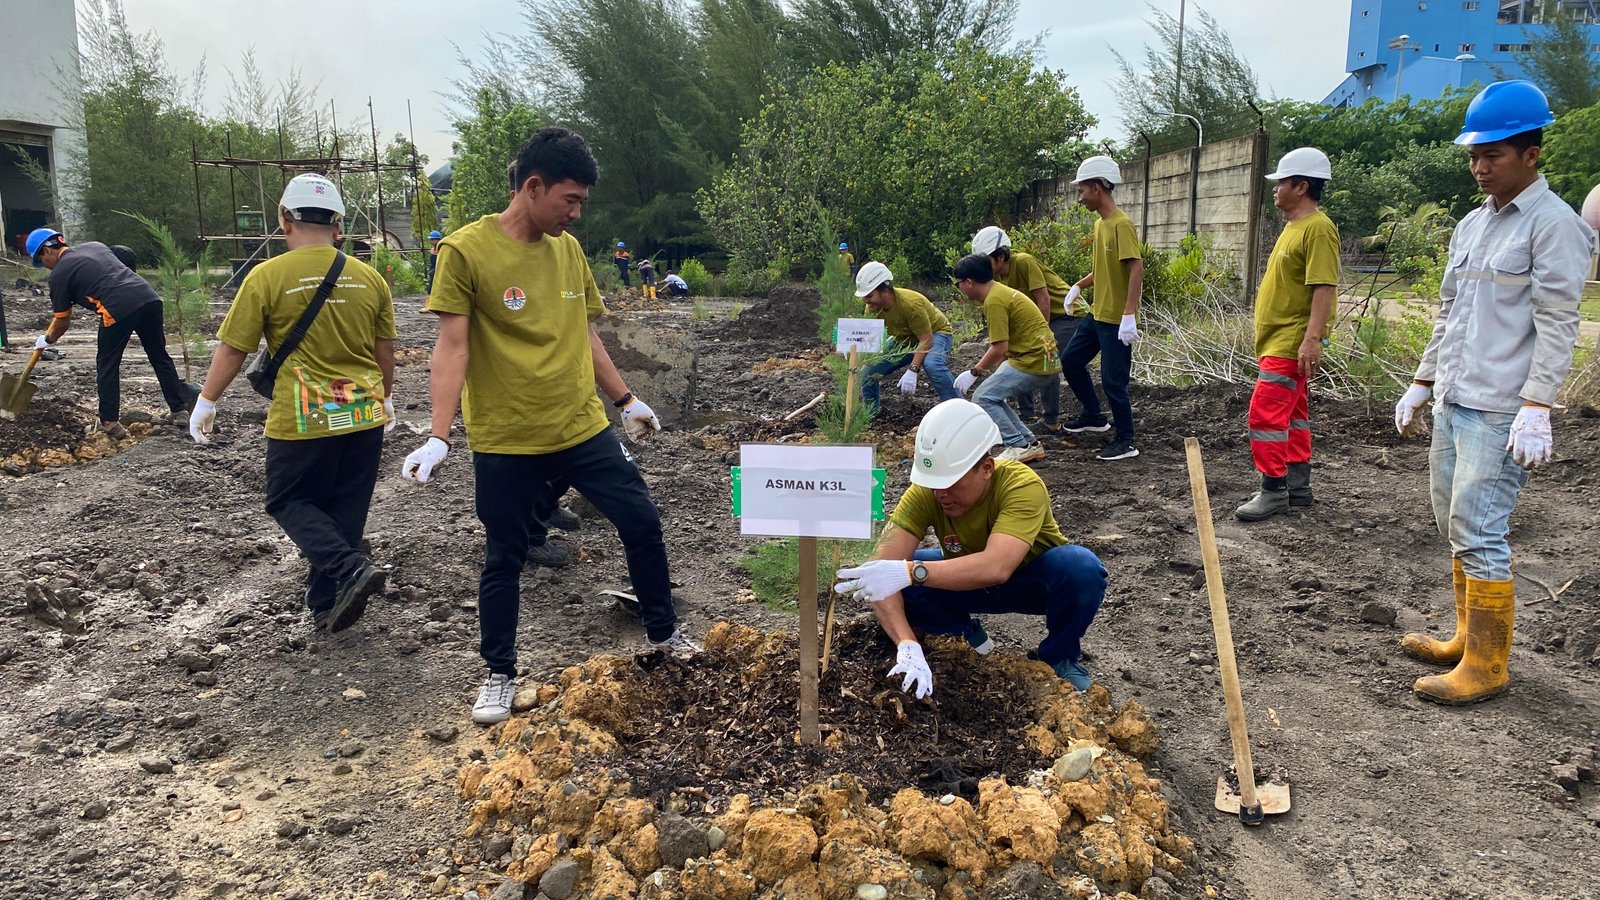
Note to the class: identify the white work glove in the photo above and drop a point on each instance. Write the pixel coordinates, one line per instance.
(1406, 409)
(389, 420)
(1128, 331)
(1072, 296)
(908, 383)
(965, 381)
(202, 420)
(1531, 443)
(41, 343)
(878, 579)
(909, 661)
(639, 420)
(420, 464)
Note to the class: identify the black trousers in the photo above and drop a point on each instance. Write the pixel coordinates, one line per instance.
(515, 495)
(319, 491)
(146, 322)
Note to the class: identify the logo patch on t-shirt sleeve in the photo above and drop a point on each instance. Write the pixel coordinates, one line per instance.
(515, 299)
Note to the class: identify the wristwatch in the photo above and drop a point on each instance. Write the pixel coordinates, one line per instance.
(917, 369)
(919, 572)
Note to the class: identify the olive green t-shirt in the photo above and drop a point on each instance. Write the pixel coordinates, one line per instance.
(1015, 319)
(1016, 504)
(1114, 244)
(331, 383)
(530, 373)
(912, 316)
(1306, 255)
(1027, 274)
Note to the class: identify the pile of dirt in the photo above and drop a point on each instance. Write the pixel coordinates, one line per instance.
(54, 433)
(786, 318)
(653, 777)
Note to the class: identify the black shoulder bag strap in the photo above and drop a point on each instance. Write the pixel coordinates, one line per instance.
(303, 325)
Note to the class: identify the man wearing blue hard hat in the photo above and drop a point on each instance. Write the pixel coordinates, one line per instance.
(91, 276)
(434, 237)
(1501, 347)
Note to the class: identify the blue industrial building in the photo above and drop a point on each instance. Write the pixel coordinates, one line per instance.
(1423, 47)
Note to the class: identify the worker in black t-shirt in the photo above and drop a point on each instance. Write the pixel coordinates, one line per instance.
(89, 275)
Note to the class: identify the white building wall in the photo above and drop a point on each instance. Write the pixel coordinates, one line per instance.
(39, 86)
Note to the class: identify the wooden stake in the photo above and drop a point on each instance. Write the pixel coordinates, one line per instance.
(810, 730)
(852, 389)
(1249, 805)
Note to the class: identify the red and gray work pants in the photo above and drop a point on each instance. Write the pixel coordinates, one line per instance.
(1280, 422)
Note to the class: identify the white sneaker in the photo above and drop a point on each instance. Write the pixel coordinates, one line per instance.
(678, 645)
(1028, 454)
(494, 700)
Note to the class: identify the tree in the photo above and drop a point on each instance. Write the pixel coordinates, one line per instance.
(1571, 157)
(1218, 85)
(739, 47)
(1370, 134)
(486, 141)
(1561, 61)
(820, 32)
(1416, 174)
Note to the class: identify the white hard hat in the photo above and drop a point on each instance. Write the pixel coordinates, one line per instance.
(871, 275)
(989, 239)
(312, 191)
(953, 437)
(1103, 167)
(1306, 162)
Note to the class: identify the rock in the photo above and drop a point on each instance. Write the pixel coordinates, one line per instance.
(47, 831)
(120, 743)
(96, 809)
(716, 878)
(714, 838)
(1133, 731)
(525, 699)
(351, 748)
(510, 890)
(341, 824)
(1378, 613)
(680, 840)
(1306, 583)
(559, 880)
(204, 679)
(1157, 889)
(82, 855)
(342, 769)
(354, 694)
(1024, 881)
(1566, 775)
(156, 765)
(193, 660)
(1074, 765)
(443, 733)
(496, 845)
(288, 829)
(871, 892)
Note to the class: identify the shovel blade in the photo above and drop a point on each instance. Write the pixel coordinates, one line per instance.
(1272, 795)
(15, 394)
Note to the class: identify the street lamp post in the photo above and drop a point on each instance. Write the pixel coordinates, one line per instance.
(1194, 164)
(1402, 45)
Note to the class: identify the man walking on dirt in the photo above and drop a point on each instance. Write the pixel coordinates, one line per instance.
(90, 276)
(1021, 356)
(1293, 308)
(1117, 277)
(515, 299)
(332, 401)
(1501, 347)
(621, 259)
(1028, 274)
(1000, 551)
(913, 320)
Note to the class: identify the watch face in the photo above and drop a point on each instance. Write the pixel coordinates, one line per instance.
(919, 573)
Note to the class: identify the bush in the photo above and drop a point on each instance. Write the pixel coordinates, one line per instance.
(606, 279)
(694, 274)
(399, 271)
(744, 279)
(1176, 278)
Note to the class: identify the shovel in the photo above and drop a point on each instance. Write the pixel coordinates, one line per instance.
(1252, 802)
(16, 391)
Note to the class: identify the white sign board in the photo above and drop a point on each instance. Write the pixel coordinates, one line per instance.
(865, 335)
(799, 491)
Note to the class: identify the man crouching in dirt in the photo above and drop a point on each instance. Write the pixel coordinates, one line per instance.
(332, 400)
(999, 552)
(515, 298)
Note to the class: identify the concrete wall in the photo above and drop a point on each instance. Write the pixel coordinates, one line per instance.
(656, 357)
(1230, 198)
(39, 88)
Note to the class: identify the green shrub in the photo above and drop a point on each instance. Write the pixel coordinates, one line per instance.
(398, 270)
(699, 312)
(744, 279)
(694, 274)
(606, 279)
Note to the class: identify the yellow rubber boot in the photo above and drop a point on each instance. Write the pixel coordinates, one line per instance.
(1481, 674)
(1442, 653)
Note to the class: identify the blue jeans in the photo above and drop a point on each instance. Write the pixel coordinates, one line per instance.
(1116, 367)
(1006, 383)
(1064, 584)
(1474, 484)
(1063, 327)
(936, 365)
(515, 494)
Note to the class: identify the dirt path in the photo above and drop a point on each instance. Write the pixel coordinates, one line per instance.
(165, 629)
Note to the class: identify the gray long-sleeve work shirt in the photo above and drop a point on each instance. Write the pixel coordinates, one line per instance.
(1508, 312)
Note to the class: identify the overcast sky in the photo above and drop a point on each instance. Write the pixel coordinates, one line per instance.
(397, 50)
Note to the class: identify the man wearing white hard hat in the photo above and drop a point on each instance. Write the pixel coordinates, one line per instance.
(1117, 277)
(1000, 551)
(328, 321)
(1021, 357)
(1293, 308)
(1027, 273)
(1501, 348)
(913, 320)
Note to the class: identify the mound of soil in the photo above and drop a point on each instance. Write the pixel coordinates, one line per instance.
(55, 433)
(786, 318)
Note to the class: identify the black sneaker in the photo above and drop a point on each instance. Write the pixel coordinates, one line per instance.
(1082, 424)
(350, 597)
(1117, 450)
(548, 555)
(565, 519)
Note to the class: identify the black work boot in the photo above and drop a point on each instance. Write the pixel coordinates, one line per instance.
(1272, 499)
(1299, 484)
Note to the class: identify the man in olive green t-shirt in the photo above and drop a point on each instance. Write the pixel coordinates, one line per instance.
(515, 299)
(1117, 277)
(1000, 551)
(1293, 308)
(912, 320)
(1021, 357)
(1027, 273)
(332, 402)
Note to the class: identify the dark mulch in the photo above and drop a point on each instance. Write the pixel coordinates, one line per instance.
(47, 423)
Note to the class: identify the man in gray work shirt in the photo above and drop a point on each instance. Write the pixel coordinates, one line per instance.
(1501, 346)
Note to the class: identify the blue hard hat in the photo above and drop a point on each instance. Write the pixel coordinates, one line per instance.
(844, 246)
(1503, 109)
(434, 235)
(36, 240)
(621, 244)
